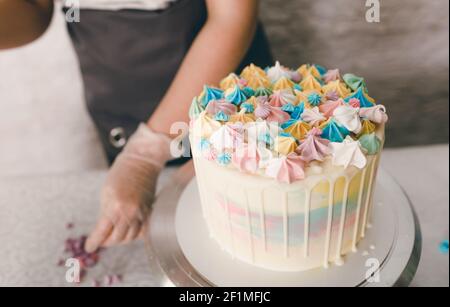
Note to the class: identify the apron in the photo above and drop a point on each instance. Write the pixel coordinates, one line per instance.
(128, 59)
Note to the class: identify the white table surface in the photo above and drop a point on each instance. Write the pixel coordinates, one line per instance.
(34, 211)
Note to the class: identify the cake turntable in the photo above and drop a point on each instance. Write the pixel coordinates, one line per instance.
(181, 253)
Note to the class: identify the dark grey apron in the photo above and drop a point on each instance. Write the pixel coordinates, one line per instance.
(128, 59)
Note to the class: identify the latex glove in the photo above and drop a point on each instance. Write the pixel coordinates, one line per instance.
(129, 189)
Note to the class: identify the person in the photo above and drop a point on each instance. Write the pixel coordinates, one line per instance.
(142, 62)
(22, 22)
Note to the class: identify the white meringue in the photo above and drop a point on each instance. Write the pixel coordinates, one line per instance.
(347, 153)
(313, 116)
(348, 117)
(277, 72)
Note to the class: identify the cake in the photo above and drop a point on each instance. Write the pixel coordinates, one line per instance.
(286, 162)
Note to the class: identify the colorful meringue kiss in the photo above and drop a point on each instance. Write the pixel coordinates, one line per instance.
(235, 95)
(297, 128)
(331, 95)
(348, 117)
(216, 106)
(204, 126)
(332, 75)
(251, 71)
(283, 84)
(376, 114)
(209, 94)
(371, 143)
(328, 107)
(306, 70)
(338, 87)
(270, 113)
(263, 108)
(277, 72)
(333, 131)
(277, 116)
(286, 169)
(263, 91)
(314, 148)
(230, 81)
(285, 145)
(354, 82)
(310, 83)
(367, 127)
(314, 99)
(364, 99)
(281, 97)
(348, 153)
(242, 117)
(313, 116)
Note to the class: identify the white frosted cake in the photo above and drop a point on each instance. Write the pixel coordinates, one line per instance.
(286, 162)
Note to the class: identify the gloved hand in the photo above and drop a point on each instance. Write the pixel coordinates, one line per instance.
(129, 189)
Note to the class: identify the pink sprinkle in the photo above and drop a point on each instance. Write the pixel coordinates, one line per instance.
(70, 226)
(61, 262)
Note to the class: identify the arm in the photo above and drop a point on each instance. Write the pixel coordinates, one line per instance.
(22, 21)
(231, 25)
(130, 185)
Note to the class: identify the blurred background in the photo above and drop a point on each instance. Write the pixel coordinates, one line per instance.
(404, 58)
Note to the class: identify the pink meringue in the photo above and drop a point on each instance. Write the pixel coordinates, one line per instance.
(332, 95)
(271, 114)
(216, 106)
(328, 107)
(313, 116)
(287, 169)
(314, 147)
(277, 115)
(263, 108)
(376, 114)
(281, 97)
(332, 75)
(246, 159)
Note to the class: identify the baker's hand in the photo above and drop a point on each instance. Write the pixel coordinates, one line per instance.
(129, 189)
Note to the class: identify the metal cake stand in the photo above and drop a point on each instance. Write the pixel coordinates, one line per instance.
(181, 253)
